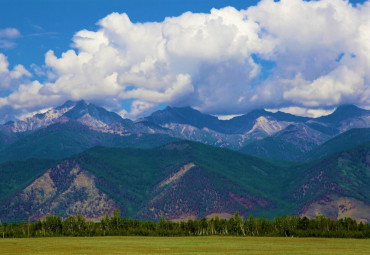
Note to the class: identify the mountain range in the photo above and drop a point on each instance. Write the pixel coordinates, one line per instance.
(81, 158)
(277, 135)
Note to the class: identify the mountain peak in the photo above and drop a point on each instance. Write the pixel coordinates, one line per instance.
(71, 103)
(82, 102)
(83, 108)
(181, 109)
(348, 108)
(343, 112)
(82, 111)
(184, 115)
(67, 104)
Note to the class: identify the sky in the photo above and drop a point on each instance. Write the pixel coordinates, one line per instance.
(220, 57)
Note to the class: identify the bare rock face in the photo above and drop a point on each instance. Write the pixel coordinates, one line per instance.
(268, 126)
(64, 190)
(290, 143)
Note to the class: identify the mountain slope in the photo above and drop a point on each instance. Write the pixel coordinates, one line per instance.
(16, 175)
(344, 118)
(66, 138)
(87, 111)
(344, 141)
(88, 114)
(185, 115)
(243, 177)
(178, 180)
(190, 124)
(292, 143)
(238, 132)
(335, 184)
(236, 125)
(65, 189)
(245, 123)
(343, 113)
(7, 138)
(185, 180)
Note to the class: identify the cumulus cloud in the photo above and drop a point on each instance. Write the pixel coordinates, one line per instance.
(300, 111)
(9, 79)
(138, 108)
(321, 56)
(319, 53)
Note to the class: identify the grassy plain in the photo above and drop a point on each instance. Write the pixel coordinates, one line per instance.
(183, 245)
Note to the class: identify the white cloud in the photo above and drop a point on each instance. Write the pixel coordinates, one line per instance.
(7, 37)
(9, 79)
(319, 55)
(9, 33)
(343, 84)
(227, 117)
(300, 111)
(322, 55)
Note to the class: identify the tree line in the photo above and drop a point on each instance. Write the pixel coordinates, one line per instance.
(285, 226)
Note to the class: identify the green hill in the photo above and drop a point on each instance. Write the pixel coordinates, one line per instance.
(139, 172)
(336, 186)
(15, 175)
(344, 141)
(185, 180)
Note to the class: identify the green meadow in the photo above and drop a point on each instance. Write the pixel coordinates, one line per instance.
(183, 245)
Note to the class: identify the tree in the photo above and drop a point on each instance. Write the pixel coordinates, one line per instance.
(53, 225)
(69, 226)
(303, 223)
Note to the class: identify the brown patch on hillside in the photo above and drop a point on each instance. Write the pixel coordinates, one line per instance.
(336, 206)
(196, 195)
(63, 190)
(175, 146)
(39, 190)
(185, 218)
(220, 215)
(242, 200)
(94, 203)
(177, 175)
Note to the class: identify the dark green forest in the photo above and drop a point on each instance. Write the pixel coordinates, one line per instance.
(285, 226)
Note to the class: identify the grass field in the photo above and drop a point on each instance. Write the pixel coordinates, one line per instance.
(183, 245)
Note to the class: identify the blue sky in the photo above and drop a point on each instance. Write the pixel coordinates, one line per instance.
(303, 57)
(50, 24)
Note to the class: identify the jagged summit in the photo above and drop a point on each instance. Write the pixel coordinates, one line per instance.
(191, 124)
(82, 111)
(237, 125)
(184, 115)
(156, 181)
(68, 104)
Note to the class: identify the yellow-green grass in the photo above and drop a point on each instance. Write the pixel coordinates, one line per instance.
(183, 245)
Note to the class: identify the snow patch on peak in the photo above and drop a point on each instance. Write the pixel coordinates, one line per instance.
(89, 121)
(55, 113)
